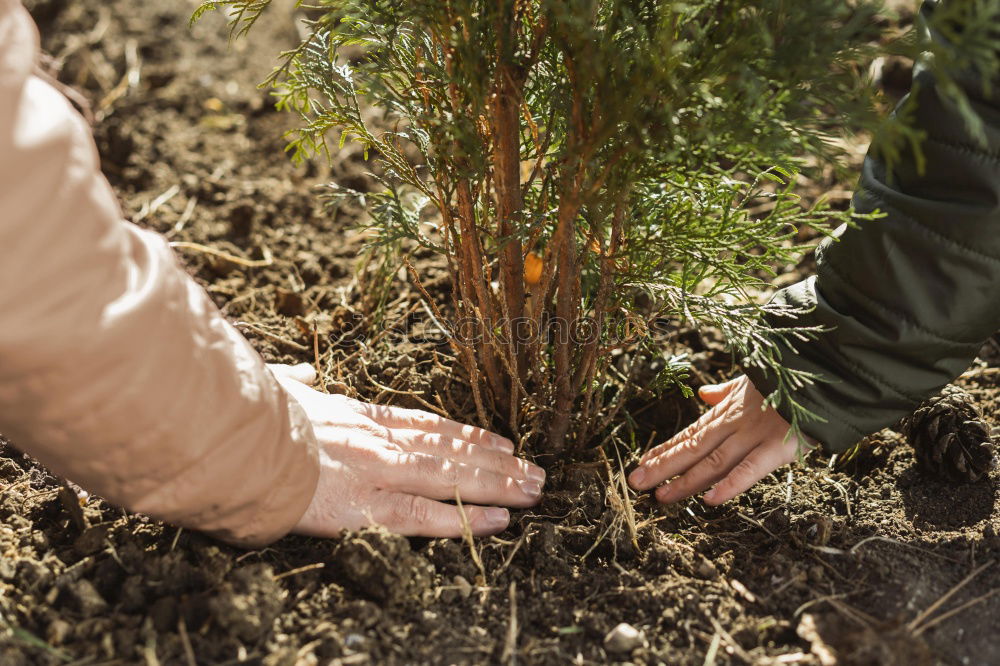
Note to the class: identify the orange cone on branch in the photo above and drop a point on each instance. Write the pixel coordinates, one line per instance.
(533, 269)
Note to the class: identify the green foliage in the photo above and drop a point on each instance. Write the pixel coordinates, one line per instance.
(243, 14)
(620, 141)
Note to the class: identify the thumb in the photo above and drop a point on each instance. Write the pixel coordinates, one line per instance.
(713, 394)
(303, 373)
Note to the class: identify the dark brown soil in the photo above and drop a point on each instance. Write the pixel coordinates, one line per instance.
(817, 565)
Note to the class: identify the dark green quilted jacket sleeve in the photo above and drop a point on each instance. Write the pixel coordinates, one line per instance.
(910, 297)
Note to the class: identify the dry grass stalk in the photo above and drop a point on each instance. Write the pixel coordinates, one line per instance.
(510, 646)
(232, 258)
(186, 642)
(470, 540)
(915, 624)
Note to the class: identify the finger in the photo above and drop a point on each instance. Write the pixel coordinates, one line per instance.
(713, 394)
(415, 419)
(439, 478)
(710, 469)
(301, 372)
(682, 451)
(694, 431)
(759, 463)
(412, 515)
(478, 455)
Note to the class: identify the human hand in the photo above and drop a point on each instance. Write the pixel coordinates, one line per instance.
(389, 466)
(732, 446)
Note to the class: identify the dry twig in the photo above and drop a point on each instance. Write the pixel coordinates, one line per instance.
(510, 647)
(186, 642)
(302, 569)
(240, 261)
(270, 336)
(469, 539)
(915, 624)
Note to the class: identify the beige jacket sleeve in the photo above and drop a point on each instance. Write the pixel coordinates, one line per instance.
(116, 370)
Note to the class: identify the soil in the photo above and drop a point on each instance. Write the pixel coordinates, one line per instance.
(825, 563)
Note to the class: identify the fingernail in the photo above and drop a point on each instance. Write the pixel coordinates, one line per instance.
(709, 496)
(535, 473)
(663, 492)
(495, 518)
(531, 487)
(637, 477)
(503, 444)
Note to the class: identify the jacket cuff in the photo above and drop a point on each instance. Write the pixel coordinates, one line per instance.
(291, 493)
(852, 396)
(835, 435)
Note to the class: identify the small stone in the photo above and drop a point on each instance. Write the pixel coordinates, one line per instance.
(706, 570)
(86, 598)
(464, 586)
(58, 632)
(355, 642)
(39, 541)
(623, 639)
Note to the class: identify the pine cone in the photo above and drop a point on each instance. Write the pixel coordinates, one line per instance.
(949, 437)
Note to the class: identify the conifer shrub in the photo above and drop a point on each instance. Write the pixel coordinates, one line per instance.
(591, 171)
